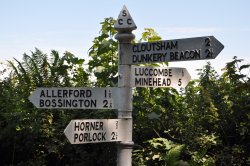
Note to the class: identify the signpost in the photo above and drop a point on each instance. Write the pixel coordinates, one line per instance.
(125, 25)
(94, 131)
(76, 98)
(120, 130)
(198, 48)
(144, 76)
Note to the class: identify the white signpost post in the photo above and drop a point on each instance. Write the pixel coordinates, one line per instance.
(94, 131)
(125, 25)
(144, 76)
(199, 48)
(76, 98)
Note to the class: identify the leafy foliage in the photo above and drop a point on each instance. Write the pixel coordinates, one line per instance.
(159, 151)
(205, 124)
(104, 57)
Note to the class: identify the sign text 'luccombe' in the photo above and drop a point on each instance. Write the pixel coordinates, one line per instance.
(145, 76)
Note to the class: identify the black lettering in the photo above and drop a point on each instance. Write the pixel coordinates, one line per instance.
(168, 81)
(93, 103)
(80, 137)
(151, 72)
(105, 103)
(129, 21)
(124, 13)
(53, 93)
(93, 126)
(185, 55)
(120, 21)
(136, 72)
(156, 81)
(99, 136)
(42, 94)
(47, 93)
(170, 72)
(75, 137)
(86, 126)
(101, 126)
(90, 138)
(209, 53)
(77, 126)
(65, 93)
(207, 42)
(134, 59)
(59, 93)
(164, 82)
(47, 103)
(67, 103)
(179, 82)
(86, 137)
(113, 136)
(86, 103)
(74, 103)
(41, 103)
(53, 103)
(82, 93)
(82, 126)
(137, 81)
(70, 92)
(88, 93)
(149, 81)
(172, 56)
(81, 102)
(103, 136)
(152, 81)
(174, 45)
(59, 103)
(135, 48)
(76, 93)
(94, 136)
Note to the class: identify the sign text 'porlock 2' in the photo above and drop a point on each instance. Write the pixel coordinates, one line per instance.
(94, 131)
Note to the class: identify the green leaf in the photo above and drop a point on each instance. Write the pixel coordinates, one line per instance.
(244, 67)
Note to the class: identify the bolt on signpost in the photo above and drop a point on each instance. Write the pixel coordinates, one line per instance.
(125, 25)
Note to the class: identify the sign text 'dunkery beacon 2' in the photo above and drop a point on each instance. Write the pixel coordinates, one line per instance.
(198, 48)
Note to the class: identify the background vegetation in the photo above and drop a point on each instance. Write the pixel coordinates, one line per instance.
(207, 123)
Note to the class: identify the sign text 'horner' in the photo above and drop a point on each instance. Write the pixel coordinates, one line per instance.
(94, 131)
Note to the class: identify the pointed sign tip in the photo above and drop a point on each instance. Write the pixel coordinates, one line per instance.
(124, 7)
(125, 23)
(218, 46)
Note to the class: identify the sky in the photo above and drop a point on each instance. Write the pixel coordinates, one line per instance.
(65, 25)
